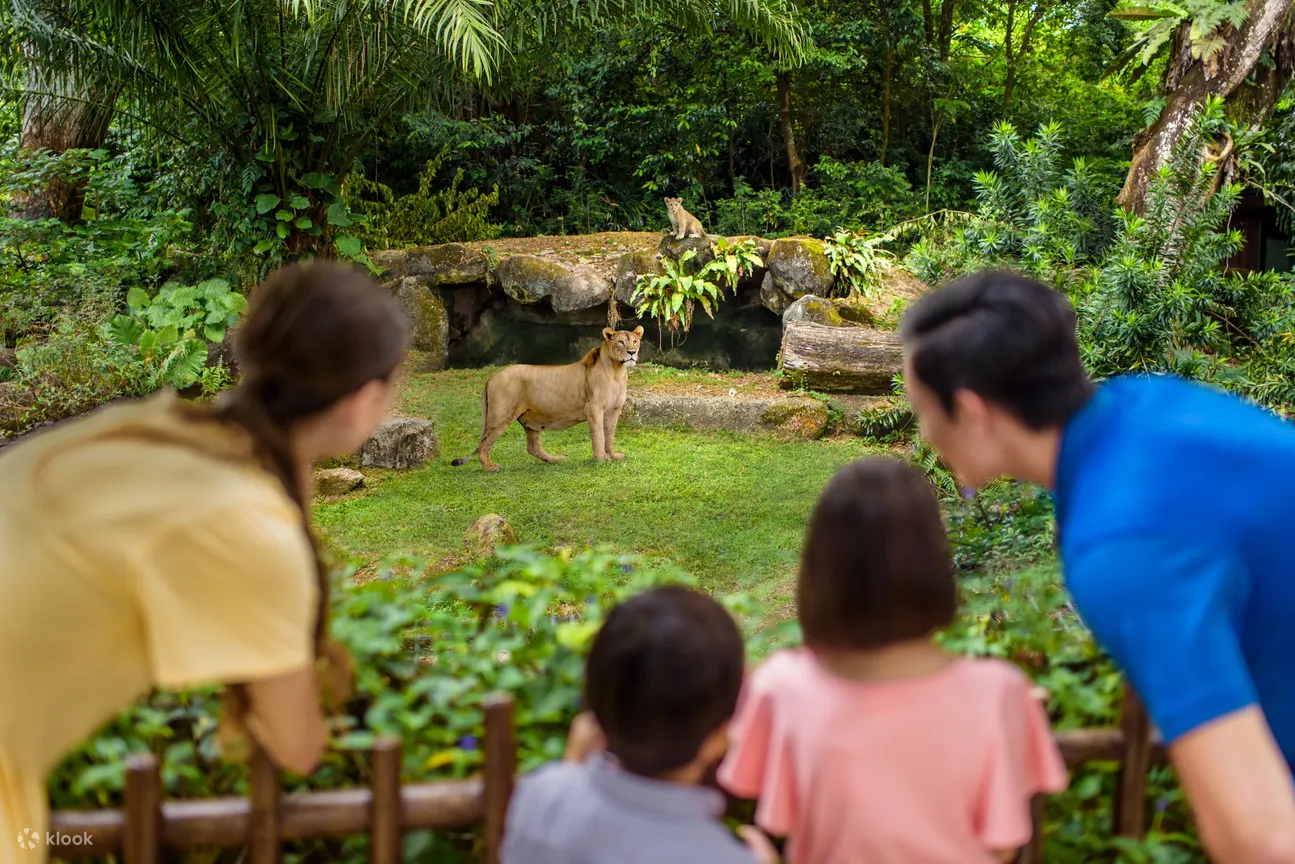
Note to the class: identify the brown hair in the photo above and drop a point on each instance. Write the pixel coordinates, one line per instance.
(664, 672)
(875, 568)
(313, 334)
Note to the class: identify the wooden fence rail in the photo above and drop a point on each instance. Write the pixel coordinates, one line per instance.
(386, 809)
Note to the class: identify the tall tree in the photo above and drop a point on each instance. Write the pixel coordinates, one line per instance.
(1214, 48)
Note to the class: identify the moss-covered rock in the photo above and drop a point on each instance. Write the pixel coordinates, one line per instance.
(646, 262)
(676, 249)
(531, 279)
(431, 321)
(797, 266)
(799, 418)
(390, 263)
(487, 534)
(447, 264)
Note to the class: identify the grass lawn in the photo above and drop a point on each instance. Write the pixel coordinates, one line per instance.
(729, 508)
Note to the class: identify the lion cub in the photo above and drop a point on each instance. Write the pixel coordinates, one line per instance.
(684, 223)
(541, 398)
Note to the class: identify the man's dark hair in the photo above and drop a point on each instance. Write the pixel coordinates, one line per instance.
(663, 673)
(1009, 339)
(875, 568)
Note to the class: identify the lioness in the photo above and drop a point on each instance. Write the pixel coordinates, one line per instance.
(558, 397)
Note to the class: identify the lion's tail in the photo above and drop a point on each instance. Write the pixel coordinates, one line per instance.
(485, 405)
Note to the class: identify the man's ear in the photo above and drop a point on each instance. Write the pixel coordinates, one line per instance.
(608, 332)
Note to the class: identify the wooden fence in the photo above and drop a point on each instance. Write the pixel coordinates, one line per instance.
(387, 809)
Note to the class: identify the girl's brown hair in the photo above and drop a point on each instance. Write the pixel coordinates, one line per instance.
(875, 568)
(313, 334)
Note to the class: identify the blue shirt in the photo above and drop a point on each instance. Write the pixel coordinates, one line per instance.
(1176, 517)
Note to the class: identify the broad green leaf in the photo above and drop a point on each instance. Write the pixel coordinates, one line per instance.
(315, 180)
(266, 203)
(137, 298)
(337, 216)
(298, 202)
(214, 334)
(263, 246)
(304, 223)
(349, 246)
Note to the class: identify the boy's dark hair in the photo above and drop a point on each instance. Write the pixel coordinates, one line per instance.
(1009, 339)
(663, 673)
(875, 568)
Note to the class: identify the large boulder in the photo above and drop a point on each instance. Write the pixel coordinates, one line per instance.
(431, 321)
(632, 265)
(701, 246)
(487, 534)
(791, 417)
(447, 264)
(568, 288)
(401, 443)
(796, 266)
(824, 350)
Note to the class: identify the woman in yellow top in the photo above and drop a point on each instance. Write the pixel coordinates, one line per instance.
(168, 544)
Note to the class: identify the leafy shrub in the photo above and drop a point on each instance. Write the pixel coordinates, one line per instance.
(671, 297)
(47, 265)
(424, 217)
(171, 331)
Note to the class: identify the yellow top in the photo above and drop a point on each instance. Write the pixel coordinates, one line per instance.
(128, 564)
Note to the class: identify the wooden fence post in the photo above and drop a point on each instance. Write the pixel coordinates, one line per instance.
(500, 766)
(1135, 764)
(1032, 853)
(267, 799)
(387, 845)
(143, 823)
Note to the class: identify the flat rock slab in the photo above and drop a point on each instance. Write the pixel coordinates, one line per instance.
(791, 417)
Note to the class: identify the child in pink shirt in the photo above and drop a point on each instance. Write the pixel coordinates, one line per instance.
(870, 744)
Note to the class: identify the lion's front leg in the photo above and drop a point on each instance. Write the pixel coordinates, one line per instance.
(595, 417)
(609, 432)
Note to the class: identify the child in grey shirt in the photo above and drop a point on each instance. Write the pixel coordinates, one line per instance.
(661, 682)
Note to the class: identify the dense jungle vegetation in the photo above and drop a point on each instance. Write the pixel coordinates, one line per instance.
(160, 156)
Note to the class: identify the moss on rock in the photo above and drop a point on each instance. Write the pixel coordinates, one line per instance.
(431, 321)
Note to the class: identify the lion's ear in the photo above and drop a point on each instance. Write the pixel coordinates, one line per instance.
(638, 331)
(608, 332)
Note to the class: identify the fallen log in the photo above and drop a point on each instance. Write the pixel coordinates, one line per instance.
(849, 359)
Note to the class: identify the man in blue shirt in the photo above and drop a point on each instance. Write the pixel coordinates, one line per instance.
(1176, 518)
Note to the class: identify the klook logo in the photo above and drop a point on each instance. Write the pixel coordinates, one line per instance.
(28, 839)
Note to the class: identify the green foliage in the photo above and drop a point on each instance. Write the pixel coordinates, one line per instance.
(172, 330)
(123, 240)
(425, 217)
(671, 297)
(858, 262)
(1160, 301)
(1207, 41)
(1032, 216)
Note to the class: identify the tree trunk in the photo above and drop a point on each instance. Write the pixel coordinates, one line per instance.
(62, 113)
(1015, 55)
(788, 134)
(1189, 81)
(839, 359)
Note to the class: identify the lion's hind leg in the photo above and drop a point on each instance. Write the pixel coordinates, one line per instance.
(536, 449)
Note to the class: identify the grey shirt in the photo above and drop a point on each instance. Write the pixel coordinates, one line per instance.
(596, 813)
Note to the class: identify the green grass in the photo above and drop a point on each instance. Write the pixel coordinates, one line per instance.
(729, 508)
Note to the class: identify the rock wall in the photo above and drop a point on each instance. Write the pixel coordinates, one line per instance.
(546, 299)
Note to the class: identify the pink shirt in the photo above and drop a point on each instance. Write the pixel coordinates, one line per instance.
(937, 769)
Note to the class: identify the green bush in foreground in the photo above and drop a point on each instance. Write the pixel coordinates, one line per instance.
(429, 649)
